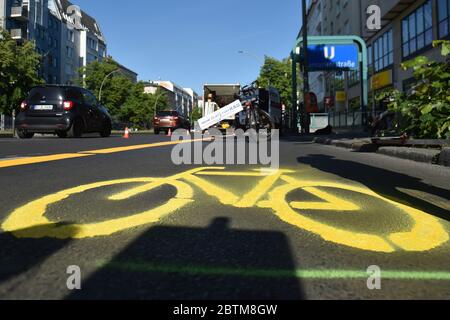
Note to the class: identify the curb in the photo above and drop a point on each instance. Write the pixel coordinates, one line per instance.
(6, 135)
(355, 145)
(444, 157)
(429, 156)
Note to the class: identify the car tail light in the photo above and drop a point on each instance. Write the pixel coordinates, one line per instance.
(68, 105)
(23, 105)
(175, 118)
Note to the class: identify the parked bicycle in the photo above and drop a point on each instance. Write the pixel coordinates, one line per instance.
(255, 118)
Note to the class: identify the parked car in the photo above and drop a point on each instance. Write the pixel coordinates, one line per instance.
(170, 120)
(66, 111)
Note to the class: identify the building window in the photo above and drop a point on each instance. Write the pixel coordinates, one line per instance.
(417, 29)
(353, 78)
(383, 55)
(92, 44)
(69, 52)
(91, 58)
(370, 59)
(444, 18)
(70, 36)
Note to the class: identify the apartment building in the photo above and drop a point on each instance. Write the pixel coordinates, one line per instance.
(193, 103)
(130, 74)
(179, 99)
(64, 44)
(408, 29)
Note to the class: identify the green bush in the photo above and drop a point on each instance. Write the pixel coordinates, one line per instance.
(425, 109)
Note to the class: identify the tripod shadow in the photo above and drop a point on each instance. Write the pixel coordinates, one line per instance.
(180, 263)
(18, 255)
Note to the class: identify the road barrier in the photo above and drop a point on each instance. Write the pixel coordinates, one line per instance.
(6, 122)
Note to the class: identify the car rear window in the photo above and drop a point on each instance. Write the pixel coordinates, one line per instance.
(167, 114)
(40, 94)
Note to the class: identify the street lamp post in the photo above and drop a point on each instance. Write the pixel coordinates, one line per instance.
(103, 83)
(156, 102)
(304, 123)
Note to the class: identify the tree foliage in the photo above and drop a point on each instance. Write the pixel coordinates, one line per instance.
(125, 100)
(279, 75)
(116, 88)
(196, 114)
(19, 65)
(139, 108)
(425, 109)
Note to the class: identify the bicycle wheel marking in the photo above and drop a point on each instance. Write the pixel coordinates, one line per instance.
(427, 234)
(29, 221)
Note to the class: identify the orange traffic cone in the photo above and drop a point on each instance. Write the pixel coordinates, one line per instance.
(169, 134)
(127, 133)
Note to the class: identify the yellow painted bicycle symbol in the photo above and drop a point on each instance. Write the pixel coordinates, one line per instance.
(426, 234)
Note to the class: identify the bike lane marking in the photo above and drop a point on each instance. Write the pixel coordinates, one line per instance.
(56, 157)
(426, 234)
(29, 221)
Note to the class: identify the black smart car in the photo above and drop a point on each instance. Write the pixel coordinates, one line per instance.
(67, 111)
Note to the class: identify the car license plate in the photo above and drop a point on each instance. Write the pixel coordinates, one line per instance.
(43, 107)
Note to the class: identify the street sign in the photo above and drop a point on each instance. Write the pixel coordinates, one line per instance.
(333, 57)
(220, 115)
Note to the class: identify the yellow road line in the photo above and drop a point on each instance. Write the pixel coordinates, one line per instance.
(142, 146)
(63, 156)
(32, 160)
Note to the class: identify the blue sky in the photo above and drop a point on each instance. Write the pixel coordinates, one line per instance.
(196, 42)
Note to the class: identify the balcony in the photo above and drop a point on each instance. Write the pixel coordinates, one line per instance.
(18, 34)
(19, 13)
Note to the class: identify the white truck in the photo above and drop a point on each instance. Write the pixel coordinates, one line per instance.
(217, 96)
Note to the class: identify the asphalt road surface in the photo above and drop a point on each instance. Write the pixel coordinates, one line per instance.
(139, 227)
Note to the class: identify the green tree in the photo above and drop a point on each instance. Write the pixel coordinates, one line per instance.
(19, 65)
(116, 89)
(139, 108)
(196, 114)
(425, 110)
(279, 74)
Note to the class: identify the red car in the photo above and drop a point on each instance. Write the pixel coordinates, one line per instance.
(170, 120)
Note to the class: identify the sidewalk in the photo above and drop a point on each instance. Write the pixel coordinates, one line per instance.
(425, 151)
(6, 134)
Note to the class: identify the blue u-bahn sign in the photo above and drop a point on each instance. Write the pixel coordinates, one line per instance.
(333, 57)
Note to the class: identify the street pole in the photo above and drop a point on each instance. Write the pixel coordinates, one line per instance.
(304, 115)
(156, 102)
(103, 83)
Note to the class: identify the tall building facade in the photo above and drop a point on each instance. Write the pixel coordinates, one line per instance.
(408, 29)
(64, 42)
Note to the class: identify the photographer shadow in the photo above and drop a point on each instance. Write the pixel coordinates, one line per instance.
(180, 263)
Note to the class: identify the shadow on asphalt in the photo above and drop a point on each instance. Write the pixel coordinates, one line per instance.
(383, 182)
(194, 263)
(19, 255)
